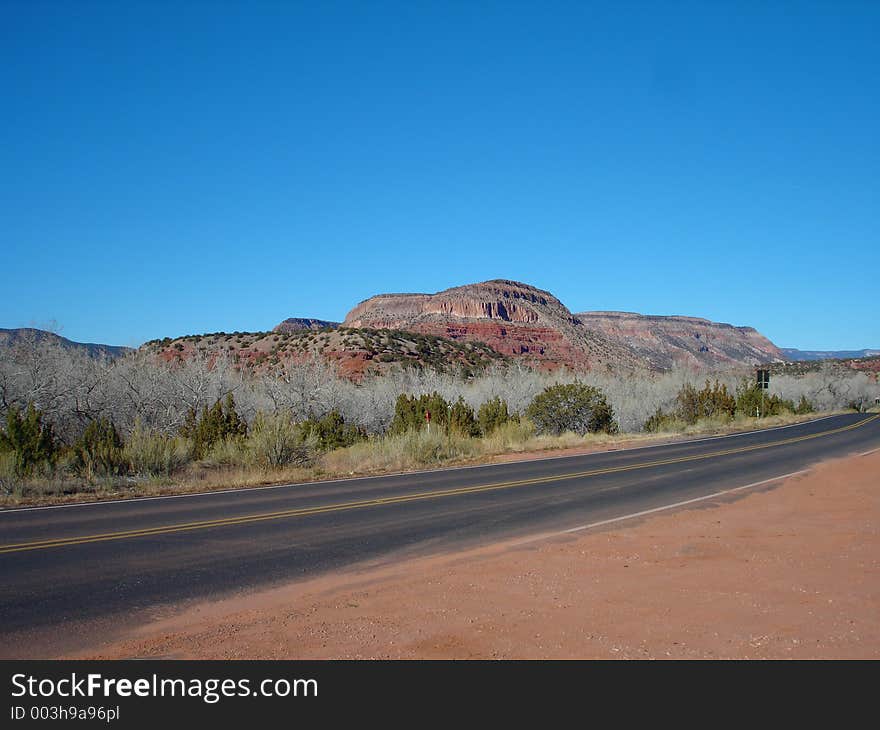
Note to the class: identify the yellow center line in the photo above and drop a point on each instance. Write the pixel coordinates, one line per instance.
(345, 506)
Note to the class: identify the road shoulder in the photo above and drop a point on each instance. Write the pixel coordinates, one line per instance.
(787, 572)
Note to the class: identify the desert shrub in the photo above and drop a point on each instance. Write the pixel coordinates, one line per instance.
(748, 398)
(752, 399)
(661, 421)
(221, 421)
(692, 405)
(10, 481)
(276, 440)
(29, 439)
(492, 414)
(99, 450)
(155, 454)
(462, 420)
(713, 400)
(778, 405)
(572, 407)
(228, 451)
(804, 406)
(409, 412)
(332, 432)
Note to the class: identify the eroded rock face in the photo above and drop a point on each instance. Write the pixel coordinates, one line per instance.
(521, 320)
(512, 317)
(669, 341)
(297, 324)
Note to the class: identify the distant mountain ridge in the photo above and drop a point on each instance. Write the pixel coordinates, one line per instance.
(796, 355)
(298, 324)
(12, 337)
(514, 319)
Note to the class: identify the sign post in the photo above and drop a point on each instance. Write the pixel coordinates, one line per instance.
(763, 383)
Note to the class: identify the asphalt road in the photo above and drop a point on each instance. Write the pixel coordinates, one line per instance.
(72, 573)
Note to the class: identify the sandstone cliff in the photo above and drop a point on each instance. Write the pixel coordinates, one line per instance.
(513, 318)
(523, 321)
(668, 341)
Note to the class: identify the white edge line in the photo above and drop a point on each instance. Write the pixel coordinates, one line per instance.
(865, 453)
(654, 510)
(133, 500)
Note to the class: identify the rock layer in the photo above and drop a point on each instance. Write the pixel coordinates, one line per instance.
(521, 320)
(664, 342)
(298, 324)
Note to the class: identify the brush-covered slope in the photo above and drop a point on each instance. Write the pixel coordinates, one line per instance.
(30, 337)
(664, 342)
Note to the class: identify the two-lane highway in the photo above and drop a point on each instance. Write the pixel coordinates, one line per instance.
(103, 563)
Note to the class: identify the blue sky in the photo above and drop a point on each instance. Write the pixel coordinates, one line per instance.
(173, 168)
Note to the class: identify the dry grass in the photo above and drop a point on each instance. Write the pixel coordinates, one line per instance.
(720, 425)
(380, 455)
(402, 452)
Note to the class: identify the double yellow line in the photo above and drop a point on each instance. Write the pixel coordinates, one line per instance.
(345, 506)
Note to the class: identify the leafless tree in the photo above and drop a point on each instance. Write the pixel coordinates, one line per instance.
(72, 387)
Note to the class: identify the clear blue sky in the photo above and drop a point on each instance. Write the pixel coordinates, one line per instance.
(173, 168)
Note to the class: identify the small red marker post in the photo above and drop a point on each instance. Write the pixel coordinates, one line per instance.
(428, 420)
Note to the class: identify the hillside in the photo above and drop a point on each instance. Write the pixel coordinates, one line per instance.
(667, 341)
(515, 319)
(522, 321)
(28, 337)
(790, 353)
(466, 328)
(355, 351)
(870, 365)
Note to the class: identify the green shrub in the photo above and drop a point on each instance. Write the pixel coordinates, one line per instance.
(661, 421)
(804, 406)
(409, 413)
(462, 420)
(692, 405)
(751, 399)
(712, 400)
(99, 451)
(571, 407)
(492, 414)
(10, 481)
(218, 422)
(30, 440)
(780, 405)
(332, 432)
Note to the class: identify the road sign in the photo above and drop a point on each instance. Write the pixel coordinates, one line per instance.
(763, 379)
